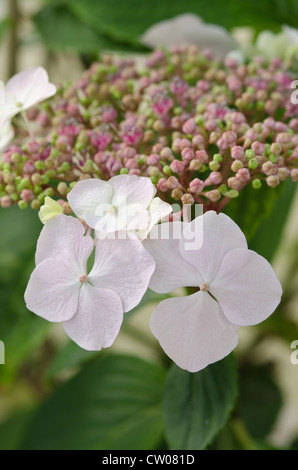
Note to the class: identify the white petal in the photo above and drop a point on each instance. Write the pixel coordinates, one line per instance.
(29, 87)
(89, 194)
(6, 134)
(8, 111)
(206, 241)
(246, 287)
(134, 189)
(193, 331)
(172, 270)
(52, 291)
(123, 266)
(189, 28)
(158, 210)
(97, 321)
(63, 238)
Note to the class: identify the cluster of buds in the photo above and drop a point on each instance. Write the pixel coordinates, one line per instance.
(200, 129)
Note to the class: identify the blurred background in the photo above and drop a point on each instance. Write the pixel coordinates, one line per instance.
(66, 37)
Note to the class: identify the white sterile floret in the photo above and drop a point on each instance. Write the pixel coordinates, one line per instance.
(90, 305)
(237, 288)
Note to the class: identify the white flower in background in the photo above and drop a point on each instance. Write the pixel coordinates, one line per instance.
(237, 288)
(124, 203)
(271, 45)
(6, 134)
(189, 28)
(89, 305)
(25, 89)
(49, 209)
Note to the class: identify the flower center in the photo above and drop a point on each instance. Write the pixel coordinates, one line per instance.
(204, 286)
(83, 277)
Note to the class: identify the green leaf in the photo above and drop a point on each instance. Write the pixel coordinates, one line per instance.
(260, 401)
(20, 330)
(130, 19)
(252, 206)
(68, 357)
(114, 402)
(266, 240)
(60, 29)
(13, 429)
(196, 406)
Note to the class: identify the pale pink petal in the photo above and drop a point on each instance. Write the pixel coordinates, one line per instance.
(89, 194)
(8, 111)
(158, 210)
(63, 237)
(29, 87)
(97, 320)
(206, 241)
(123, 266)
(52, 291)
(134, 189)
(6, 134)
(193, 330)
(172, 270)
(188, 28)
(246, 287)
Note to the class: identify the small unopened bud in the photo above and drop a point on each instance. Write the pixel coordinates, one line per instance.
(294, 175)
(272, 181)
(213, 195)
(187, 199)
(177, 166)
(196, 186)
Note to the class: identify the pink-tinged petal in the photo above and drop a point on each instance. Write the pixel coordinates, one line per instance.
(134, 189)
(8, 111)
(135, 216)
(63, 238)
(246, 287)
(193, 330)
(206, 241)
(6, 134)
(172, 270)
(52, 291)
(97, 320)
(29, 87)
(94, 194)
(158, 210)
(123, 266)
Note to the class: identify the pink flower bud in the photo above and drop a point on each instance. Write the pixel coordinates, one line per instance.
(258, 148)
(213, 195)
(243, 175)
(198, 141)
(187, 199)
(172, 182)
(196, 186)
(195, 165)
(177, 166)
(294, 175)
(153, 159)
(234, 183)
(272, 181)
(184, 143)
(27, 195)
(188, 154)
(162, 185)
(269, 168)
(202, 155)
(189, 126)
(237, 152)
